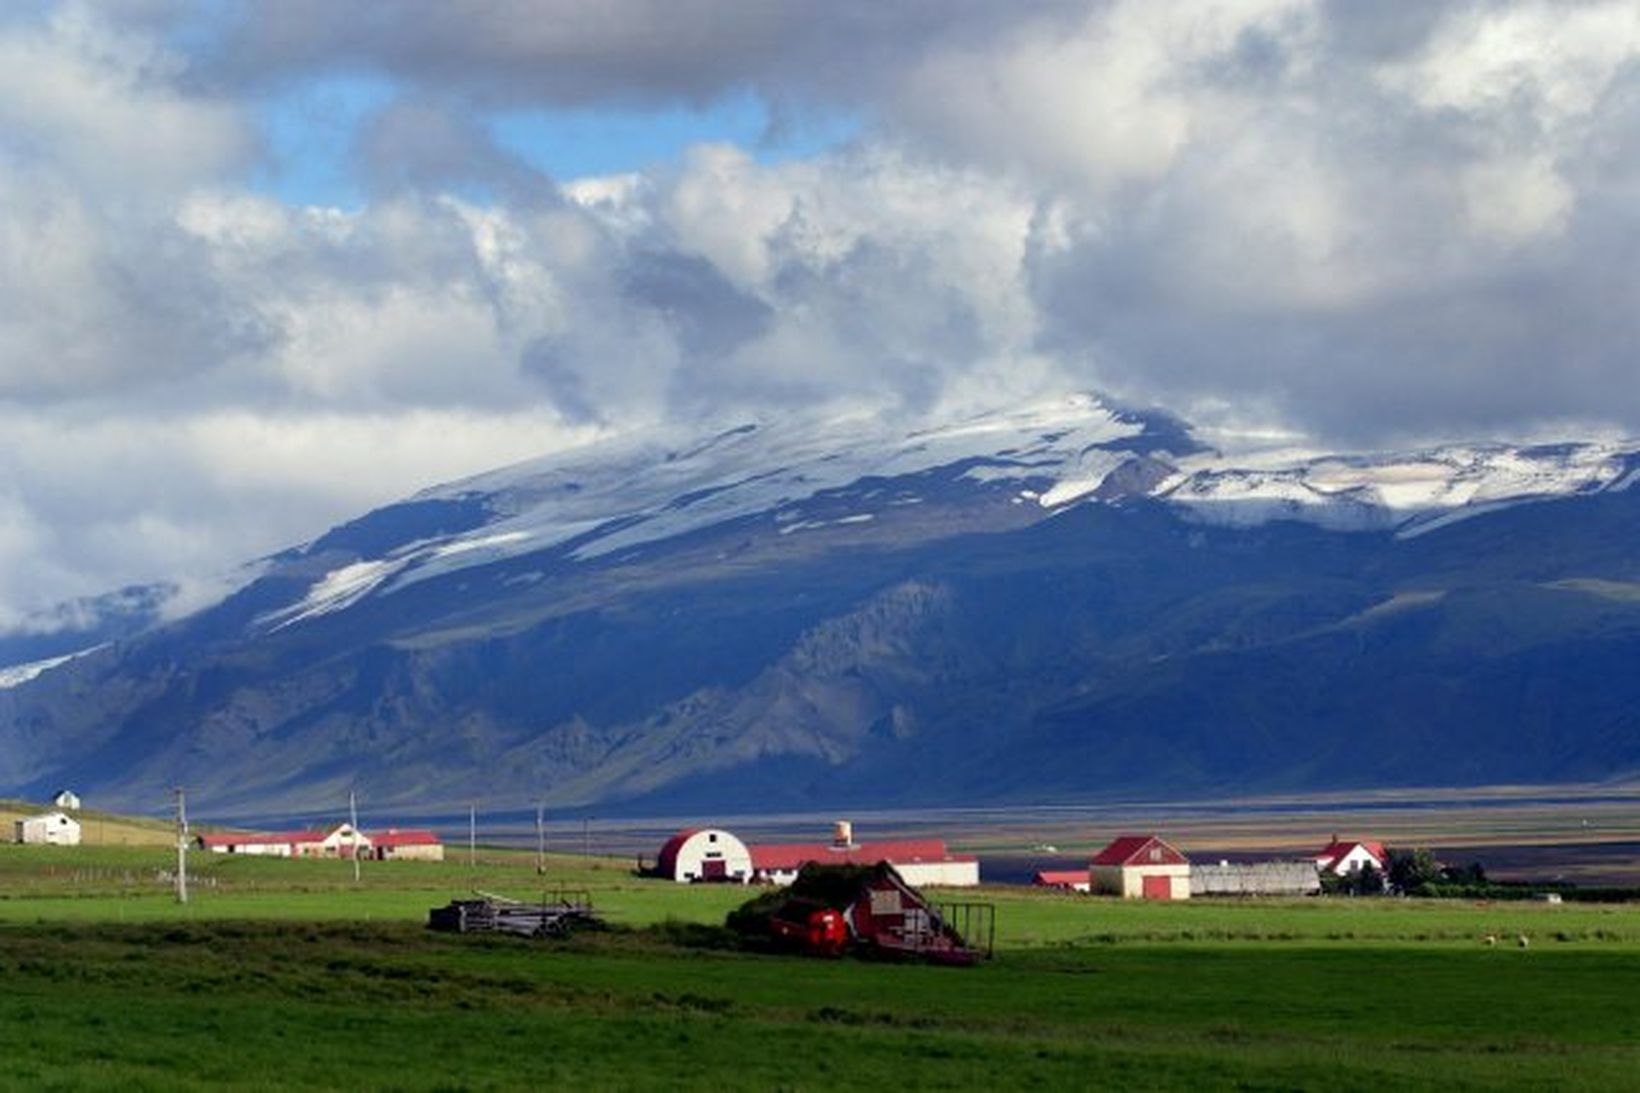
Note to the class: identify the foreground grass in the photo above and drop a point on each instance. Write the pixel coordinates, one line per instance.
(211, 1005)
(47, 885)
(290, 974)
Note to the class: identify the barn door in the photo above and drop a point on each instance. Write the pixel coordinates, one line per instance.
(1157, 887)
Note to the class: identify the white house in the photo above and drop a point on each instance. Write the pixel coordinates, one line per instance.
(344, 842)
(1343, 857)
(67, 798)
(705, 854)
(49, 829)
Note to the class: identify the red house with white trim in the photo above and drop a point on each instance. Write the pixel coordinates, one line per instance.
(1141, 867)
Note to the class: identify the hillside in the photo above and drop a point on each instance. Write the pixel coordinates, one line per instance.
(1052, 603)
(97, 828)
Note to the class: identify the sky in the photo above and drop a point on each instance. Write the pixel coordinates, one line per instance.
(264, 266)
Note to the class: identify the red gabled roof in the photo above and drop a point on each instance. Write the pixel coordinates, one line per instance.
(1338, 848)
(791, 856)
(274, 838)
(1135, 850)
(407, 837)
(1060, 878)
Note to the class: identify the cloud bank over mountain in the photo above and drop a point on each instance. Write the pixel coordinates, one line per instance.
(1365, 222)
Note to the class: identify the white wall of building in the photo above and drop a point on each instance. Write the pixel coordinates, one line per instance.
(950, 874)
(48, 829)
(727, 855)
(1128, 882)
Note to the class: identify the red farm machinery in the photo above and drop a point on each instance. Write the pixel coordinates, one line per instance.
(868, 911)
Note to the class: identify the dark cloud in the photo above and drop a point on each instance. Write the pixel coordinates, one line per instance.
(567, 52)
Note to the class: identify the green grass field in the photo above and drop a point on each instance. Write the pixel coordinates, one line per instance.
(287, 974)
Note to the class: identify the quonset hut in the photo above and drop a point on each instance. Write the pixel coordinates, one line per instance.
(704, 854)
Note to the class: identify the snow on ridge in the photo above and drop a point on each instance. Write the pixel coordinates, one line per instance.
(16, 675)
(1415, 492)
(624, 492)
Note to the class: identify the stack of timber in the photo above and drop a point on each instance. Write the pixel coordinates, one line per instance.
(488, 913)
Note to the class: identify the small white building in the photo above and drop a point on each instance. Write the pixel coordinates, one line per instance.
(67, 799)
(1342, 857)
(1141, 867)
(49, 829)
(705, 854)
(345, 841)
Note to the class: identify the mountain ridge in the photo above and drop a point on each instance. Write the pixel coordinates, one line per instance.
(1068, 599)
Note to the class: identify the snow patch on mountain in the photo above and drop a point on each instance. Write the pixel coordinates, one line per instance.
(1409, 493)
(620, 494)
(18, 674)
(802, 476)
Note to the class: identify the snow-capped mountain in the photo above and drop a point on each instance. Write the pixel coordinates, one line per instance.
(800, 477)
(821, 610)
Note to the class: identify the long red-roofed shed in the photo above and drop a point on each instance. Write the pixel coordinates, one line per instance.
(918, 861)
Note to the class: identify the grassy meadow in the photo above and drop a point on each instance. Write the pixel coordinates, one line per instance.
(288, 974)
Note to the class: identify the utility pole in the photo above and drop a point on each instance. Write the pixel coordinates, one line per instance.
(540, 839)
(472, 836)
(353, 822)
(182, 845)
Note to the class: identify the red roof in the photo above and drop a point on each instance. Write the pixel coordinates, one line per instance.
(1060, 878)
(791, 856)
(408, 837)
(1135, 850)
(667, 862)
(276, 838)
(1338, 848)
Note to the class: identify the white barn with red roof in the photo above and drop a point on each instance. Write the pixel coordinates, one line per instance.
(705, 854)
(409, 844)
(918, 861)
(1342, 857)
(1141, 867)
(271, 844)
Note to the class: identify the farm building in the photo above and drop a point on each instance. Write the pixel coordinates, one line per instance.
(340, 842)
(345, 841)
(272, 844)
(1342, 857)
(1072, 880)
(1264, 878)
(1141, 867)
(918, 861)
(66, 799)
(48, 829)
(408, 845)
(704, 854)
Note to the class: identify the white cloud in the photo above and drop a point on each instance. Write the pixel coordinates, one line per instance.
(1365, 221)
